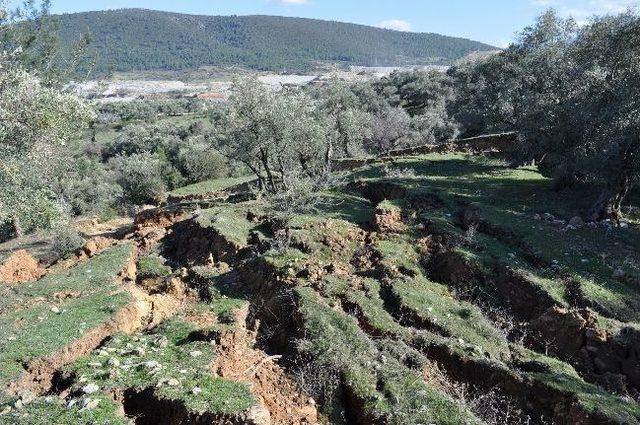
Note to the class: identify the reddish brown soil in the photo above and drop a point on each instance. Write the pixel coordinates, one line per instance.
(388, 220)
(21, 267)
(274, 390)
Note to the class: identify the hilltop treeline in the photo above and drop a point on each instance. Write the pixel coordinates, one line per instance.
(134, 40)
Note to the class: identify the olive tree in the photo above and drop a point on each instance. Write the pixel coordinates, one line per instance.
(571, 94)
(36, 125)
(29, 38)
(275, 134)
(391, 129)
(349, 121)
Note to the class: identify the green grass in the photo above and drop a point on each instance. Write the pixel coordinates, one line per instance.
(55, 412)
(592, 398)
(371, 307)
(153, 267)
(123, 363)
(461, 321)
(511, 197)
(386, 388)
(230, 221)
(31, 329)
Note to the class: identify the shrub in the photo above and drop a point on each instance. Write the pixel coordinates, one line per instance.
(143, 138)
(88, 187)
(66, 240)
(141, 178)
(198, 161)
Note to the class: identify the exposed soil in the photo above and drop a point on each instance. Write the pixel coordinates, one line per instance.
(388, 220)
(276, 392)
(21, 267)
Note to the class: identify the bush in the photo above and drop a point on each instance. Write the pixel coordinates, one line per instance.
(141, 178)
(88, 187)
(66, 240)
(198, 161)
(143, 138)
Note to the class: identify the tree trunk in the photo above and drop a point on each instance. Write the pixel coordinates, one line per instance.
(328, 156)
(609, 203)
(264, 158)
(17, 227)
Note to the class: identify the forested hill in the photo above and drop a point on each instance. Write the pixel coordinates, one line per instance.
(135, 39)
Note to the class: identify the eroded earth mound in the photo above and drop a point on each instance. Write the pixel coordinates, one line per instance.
(443, 297)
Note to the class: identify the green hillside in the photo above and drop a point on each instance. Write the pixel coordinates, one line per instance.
(136, 40)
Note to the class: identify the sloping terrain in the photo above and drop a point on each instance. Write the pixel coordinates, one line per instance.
(137, 40)
(443, 288)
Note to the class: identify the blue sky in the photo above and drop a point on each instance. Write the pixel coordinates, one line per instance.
(490, 21)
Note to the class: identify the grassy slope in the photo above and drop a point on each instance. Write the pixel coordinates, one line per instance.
(348, 322)
(511, 197)
(28, 327)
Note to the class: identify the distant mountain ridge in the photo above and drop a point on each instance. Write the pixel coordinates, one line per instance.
(139, 40)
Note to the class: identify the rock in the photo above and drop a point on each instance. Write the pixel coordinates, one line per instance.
(55, 310)
(196, 390)
(548, 217)
(152, 364)
(27, 397)
(576, 222)
(195, 353)
(94, 245)
(114, 362)
(173, 382)
(90, 389)
(139, 351)
(162, 342)
(388, 219)
(90, 403)
(563, 330)
(90, 248)
(537, 217)
(6, 410)
(592, 225)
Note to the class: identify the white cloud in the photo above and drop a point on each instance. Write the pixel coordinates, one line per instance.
(395, 24)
